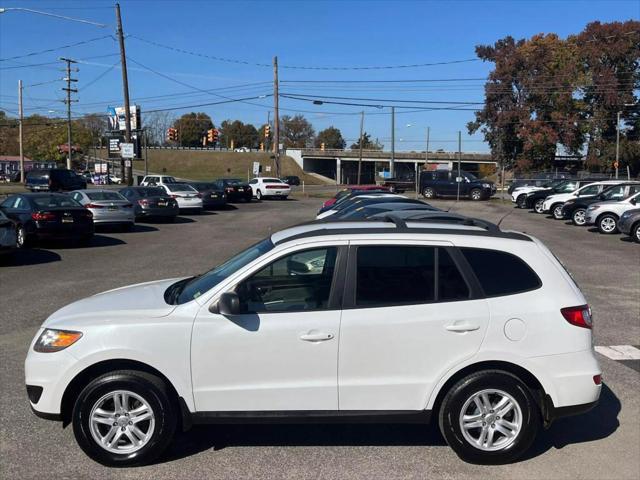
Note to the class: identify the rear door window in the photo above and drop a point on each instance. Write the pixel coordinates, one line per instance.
(501, 273)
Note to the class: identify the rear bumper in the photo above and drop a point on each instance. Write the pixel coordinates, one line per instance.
(158, 212)
(105, 218)
(50, 233)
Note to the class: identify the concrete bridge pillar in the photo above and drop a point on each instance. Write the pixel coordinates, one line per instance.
(338, 171)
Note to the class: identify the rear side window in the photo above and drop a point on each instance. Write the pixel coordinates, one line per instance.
(501, 273)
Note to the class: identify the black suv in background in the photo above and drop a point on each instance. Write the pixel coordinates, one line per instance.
(54, 180)
(444, 183)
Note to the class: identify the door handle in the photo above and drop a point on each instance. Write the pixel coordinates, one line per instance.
(316, 336)
(462, 327)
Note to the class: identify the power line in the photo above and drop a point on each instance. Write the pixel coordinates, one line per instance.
(300, 67)
(31, 54)
(395, 101)
(374, 105)
(35, 65)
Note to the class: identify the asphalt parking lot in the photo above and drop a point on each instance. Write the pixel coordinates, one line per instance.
(605, 443)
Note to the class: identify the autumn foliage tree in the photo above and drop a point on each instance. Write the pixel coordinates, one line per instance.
(547, 93)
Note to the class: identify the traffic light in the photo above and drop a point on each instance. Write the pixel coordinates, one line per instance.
(214, 135)
(210, 137)
(322, 146)
(267, 131)
(172, 134)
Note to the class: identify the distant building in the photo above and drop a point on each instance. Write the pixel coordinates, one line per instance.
(11, 163)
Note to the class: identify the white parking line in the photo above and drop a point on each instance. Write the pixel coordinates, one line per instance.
(620, 352)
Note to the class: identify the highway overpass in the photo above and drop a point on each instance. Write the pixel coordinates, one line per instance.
(343, 164)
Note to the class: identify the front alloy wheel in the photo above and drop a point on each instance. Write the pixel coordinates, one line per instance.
(476, 194)
(124, 418)
(538, 206)
(429, 193)
(556, 210)
(608, 224)
(635, 232)
(579, 217)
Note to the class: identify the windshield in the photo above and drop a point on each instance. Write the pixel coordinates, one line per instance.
(271, 180)
(104, 196)
(565, 187)
(54, 201)
(470, 176)
(613, 193)
(203, 283)
(180, 187)
(168, 180)
(151, 192)
(232, 181)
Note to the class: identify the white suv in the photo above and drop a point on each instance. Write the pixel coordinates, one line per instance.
(452, 319)
(605, 215)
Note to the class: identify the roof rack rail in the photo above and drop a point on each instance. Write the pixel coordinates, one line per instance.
(444, 217)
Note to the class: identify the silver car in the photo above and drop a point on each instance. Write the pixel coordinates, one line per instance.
(108, 207)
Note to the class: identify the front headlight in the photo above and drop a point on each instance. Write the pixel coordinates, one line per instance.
(51, 340)
(486, 185)
(593, 207)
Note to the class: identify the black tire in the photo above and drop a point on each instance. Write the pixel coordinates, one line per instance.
(578, 216)
(635, 232)
(149, 387)
(454, 401)
(537, 206)
(23, 240)
(607, 223)
(258, 195)
(521, 201)
(556, 211)
(429, 192)
(475, 194)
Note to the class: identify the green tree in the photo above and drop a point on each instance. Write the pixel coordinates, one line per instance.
(331, 137)
(243, 135)
(296, 132)
(192, 127)
(8, 135)
(367, 144)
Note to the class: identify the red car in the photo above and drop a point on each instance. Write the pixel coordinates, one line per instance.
(350, 190)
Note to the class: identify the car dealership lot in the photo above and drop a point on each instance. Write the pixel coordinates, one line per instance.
(601, 444)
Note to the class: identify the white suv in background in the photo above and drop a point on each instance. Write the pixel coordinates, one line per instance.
(553, 203)
(480, 329)
(605, 215)
(157, 180)
(269, 188)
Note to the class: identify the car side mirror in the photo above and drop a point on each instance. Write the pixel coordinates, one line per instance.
(227, 304)
(633, 201)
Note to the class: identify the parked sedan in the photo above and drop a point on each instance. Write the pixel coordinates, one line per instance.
(212, 195)
(7, 234)
(54, 216)
(151, 202)
(629, 224)
(108, 207)
(605, 215)
(235, 189)
(187, 197)
(269, 188)
(375, 197)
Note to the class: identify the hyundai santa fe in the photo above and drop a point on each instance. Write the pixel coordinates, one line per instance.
(450, 319)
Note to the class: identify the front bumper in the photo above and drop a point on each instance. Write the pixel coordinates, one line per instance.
(590, 217)
(624, 225)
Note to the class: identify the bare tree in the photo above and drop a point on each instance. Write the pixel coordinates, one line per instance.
(156, 125)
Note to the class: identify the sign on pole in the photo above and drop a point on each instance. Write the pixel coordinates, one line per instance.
(126, 150)
(256, 168)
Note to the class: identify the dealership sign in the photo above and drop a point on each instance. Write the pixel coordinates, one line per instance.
(117, 118)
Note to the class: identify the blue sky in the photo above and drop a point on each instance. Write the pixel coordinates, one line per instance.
(300, 33)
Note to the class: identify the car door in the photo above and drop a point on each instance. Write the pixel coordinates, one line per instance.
(445, 183)
(281, 351)
(409, 315)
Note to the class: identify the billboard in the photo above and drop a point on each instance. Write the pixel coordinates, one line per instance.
(115, 147)
(116, 118)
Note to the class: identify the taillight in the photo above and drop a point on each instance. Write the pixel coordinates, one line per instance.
(276, 186)
(93, 205)
(229, 189)
(144, 202)
(579, 316)
(174, 196)
(43, 216)
(597, 379)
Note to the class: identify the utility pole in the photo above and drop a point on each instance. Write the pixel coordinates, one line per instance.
(459, 159)
(68, 101)
(266, 138)
(20, 136)
(392, 163)
(360, 143)
(276, 120)
(128, 174)
(617, 143)
(426, 162)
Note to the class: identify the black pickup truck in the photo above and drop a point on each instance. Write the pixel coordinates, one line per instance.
(400, 184)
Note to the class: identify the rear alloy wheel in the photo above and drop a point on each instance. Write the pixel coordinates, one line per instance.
(476, 194)
(429, 193)
(22, 241)
(579, 217)
(521, 201)
(489, 417)
(635, 232)
(537, 207)
(258, 195)
(607, 223)
(556, 211)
